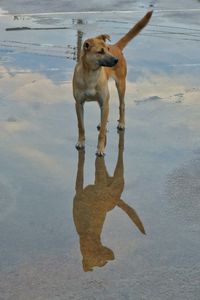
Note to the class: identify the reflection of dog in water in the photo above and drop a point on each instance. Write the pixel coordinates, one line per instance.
(92, 203)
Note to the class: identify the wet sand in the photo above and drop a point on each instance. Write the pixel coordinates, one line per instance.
(67, 229)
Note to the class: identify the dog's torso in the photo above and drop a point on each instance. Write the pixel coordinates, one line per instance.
(90, 86)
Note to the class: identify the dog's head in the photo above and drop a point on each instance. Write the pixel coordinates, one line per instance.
(97, 54)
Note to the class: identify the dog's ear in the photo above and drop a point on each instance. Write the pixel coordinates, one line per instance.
(103, 37)
(86, 45)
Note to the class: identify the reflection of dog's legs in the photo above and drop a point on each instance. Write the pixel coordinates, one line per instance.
(117, 184)
(119, 169)
(121, 87)
(80, 118)
(101, 174)
(80, 171)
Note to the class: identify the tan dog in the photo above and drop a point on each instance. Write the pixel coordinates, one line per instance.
(92, 204)
(98, 62)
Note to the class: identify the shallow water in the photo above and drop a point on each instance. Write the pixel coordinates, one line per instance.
(51, 231)
(48, 6)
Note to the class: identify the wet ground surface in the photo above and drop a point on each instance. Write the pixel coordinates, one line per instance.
(52, 232)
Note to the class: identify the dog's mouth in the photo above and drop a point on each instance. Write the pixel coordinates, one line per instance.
(107, 62)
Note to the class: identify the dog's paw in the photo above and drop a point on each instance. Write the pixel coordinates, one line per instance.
(121, 126)
(100, 153)
(80, 145)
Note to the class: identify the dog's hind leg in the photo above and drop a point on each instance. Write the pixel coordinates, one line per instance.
(121, 87)
(80, 118)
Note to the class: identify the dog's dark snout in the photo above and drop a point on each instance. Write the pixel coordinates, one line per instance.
(115, 60)
(109, 61)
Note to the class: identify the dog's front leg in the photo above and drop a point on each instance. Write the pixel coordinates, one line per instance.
(101, 115)
(81, 130)
(102, 131)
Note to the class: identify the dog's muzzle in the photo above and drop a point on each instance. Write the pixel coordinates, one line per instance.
(108, 61)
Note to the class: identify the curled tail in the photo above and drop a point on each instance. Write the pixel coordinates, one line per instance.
(134, 31)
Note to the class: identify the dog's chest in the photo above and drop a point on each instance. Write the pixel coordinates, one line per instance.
(90, 92)
(90, 86)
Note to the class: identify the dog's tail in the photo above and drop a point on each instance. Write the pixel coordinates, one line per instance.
(134, 31)
(132, 215)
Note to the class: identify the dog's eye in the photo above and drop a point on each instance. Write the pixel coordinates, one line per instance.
(101, 51)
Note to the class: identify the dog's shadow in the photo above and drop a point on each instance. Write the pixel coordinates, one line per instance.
(91, 204)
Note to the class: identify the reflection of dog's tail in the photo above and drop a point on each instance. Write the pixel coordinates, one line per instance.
(132, 215)
(134, 31)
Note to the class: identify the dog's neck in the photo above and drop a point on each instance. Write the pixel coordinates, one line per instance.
(90, 68)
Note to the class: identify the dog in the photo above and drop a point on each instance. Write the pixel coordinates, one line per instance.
(98, 62)
(93, 202)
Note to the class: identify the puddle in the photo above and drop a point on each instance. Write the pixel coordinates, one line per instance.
(71, 224)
